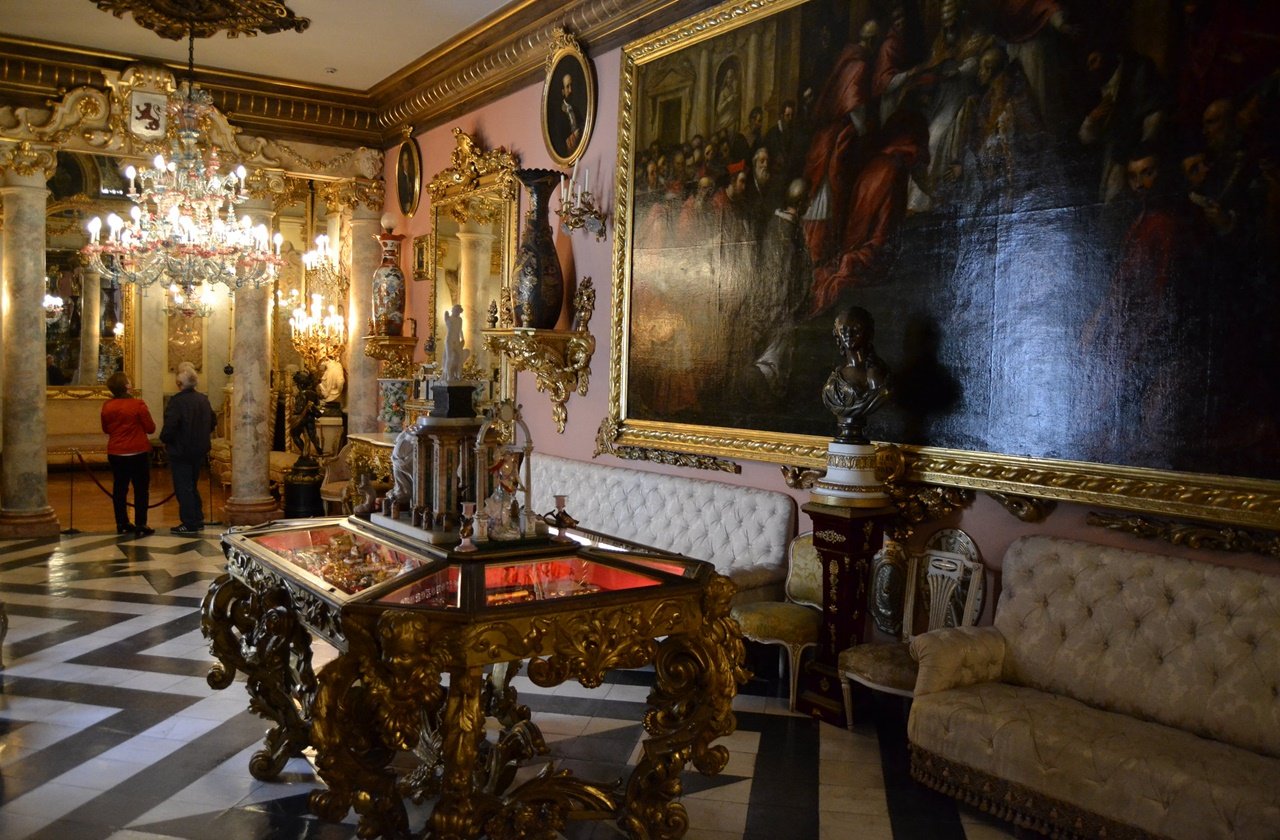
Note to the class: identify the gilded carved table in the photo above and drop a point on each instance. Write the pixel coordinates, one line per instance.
(429, 641)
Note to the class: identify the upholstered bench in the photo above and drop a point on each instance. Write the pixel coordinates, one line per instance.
(1120, 694)
(742, 531)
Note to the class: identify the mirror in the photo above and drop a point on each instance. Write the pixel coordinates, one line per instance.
(470, 254)
(312, 279)
(89, 322)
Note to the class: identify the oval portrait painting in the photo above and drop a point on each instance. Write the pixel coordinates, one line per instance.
(568, 101)
(408, 176)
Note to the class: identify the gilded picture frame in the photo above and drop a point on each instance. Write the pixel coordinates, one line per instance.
(568, 100)
(985, 311)
(423, 262)
(408, 176)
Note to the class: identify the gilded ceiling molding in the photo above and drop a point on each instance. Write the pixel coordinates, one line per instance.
(34, 72)
(1214, 537)
(178, 19)
(94, 120)
(1025, 508)
(502, 52)
(512, 48)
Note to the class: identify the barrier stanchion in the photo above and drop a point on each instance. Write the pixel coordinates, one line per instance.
(71, 520)
(213, 507)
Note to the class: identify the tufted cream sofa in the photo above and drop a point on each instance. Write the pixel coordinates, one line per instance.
(742, 531)
(1119, 694)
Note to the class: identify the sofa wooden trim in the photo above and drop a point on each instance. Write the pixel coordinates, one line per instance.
(1015, 803)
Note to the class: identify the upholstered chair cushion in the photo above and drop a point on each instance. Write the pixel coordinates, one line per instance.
(804, 574)
(1184, 643)
(779, 621)
(886, 666)
(957, 656)
(1166, 781)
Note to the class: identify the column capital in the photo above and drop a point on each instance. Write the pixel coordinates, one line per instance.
(27, 164)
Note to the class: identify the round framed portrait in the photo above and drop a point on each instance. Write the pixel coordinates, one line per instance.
(408, 176)
(568, 101)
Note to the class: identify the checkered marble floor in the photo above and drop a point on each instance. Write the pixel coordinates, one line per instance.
(108, 730)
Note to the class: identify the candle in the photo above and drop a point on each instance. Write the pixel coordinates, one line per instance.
(586, 180)
(573, 178)
(562, 188)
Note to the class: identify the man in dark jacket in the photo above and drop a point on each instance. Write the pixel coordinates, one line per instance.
(187, 430)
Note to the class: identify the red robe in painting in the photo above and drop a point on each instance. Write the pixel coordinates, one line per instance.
(877, 208)
(833, 152)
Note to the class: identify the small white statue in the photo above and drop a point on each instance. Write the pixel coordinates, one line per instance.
(454, 352)
(402, 459)
(332, 380)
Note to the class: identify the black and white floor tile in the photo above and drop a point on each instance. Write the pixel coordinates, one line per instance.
(108, 730)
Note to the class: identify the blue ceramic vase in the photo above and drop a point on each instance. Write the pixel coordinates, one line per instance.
(539, 286)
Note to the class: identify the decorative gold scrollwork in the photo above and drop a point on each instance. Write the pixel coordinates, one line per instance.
(1216, 538)
(394, 351)
(690, 706)
(258, 633)
(175, 21)
(470, 164)
(559, 360)
(1025, 508)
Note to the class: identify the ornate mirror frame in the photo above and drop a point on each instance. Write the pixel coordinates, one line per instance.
(479, 188)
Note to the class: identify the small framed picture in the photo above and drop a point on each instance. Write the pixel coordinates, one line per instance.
(568, 100)
(423, 266)
(408, 176)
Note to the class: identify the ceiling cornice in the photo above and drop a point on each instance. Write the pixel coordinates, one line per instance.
(478, 65)
(508, 50)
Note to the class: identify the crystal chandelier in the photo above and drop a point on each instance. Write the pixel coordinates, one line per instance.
(52, 307)
(324, 271)
(189, 301)
(319, 333)
(183, 227)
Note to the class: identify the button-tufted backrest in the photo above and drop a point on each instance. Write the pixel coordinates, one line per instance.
(1184, 643)
(742, 531)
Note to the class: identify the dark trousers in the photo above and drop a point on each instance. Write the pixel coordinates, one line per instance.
(185, 476)
(126, 470)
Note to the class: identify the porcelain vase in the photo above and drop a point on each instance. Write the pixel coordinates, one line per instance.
(393, 393)
(539, 287)
(388, 289)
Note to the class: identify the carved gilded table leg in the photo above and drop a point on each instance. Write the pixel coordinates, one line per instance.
(259, 634)
(351, 755)
(458, 814)
(690, 706)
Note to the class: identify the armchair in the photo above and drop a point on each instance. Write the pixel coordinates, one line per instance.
(794, 623)
(949, 585)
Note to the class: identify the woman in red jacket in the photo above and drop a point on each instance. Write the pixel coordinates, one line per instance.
(127, 423)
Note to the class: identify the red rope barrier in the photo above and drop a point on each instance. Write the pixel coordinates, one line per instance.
(107, 492)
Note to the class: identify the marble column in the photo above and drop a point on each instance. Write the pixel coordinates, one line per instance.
(251, 502)
(24, 470)
(473, 270)
(90, 326)
(362, 371)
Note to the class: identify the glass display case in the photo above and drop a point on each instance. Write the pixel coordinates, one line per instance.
(429, 639)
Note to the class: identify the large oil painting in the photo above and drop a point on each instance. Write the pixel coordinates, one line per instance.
(1063, 215)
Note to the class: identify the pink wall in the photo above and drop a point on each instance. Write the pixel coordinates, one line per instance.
(514, 122)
